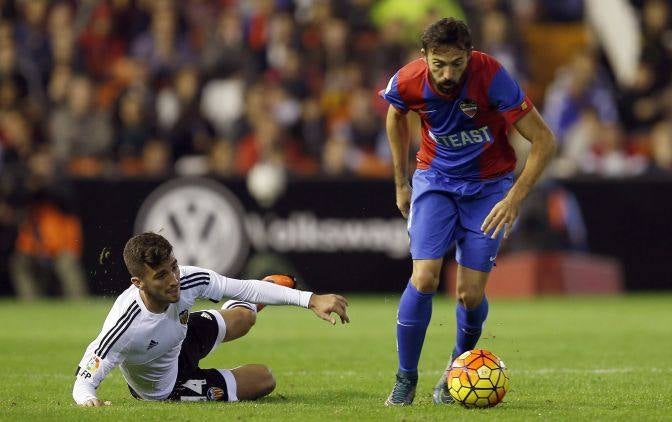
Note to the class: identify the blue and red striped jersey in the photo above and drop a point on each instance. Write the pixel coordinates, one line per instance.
(464, 135)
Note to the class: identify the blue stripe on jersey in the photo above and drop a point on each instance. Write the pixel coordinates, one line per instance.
(123, 321)
(459, 140)
(504, 92)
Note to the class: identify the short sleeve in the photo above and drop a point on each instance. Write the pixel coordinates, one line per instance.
(505, 94)
(391, 94)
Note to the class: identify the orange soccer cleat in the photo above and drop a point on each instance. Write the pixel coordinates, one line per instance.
(281, 279)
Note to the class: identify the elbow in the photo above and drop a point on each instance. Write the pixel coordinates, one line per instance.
(550, 145)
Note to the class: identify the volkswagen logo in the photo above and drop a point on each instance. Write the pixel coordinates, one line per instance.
(203, 221)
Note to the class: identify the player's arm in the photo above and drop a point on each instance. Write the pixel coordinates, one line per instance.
(533, 128)
(103, 354)
(91, 371)
(256, 291)
(399, 138)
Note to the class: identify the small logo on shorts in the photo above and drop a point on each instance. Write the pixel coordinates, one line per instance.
(492, 258)
(215, 394)
(206, 315)
(184, 317)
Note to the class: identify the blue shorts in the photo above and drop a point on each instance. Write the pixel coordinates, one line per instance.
(447, 211)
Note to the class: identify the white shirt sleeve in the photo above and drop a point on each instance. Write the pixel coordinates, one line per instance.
(211, 285)
(257, 291)
(104, 353)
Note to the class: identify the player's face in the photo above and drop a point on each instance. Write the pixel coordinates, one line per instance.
(446, 67)
(162, 284)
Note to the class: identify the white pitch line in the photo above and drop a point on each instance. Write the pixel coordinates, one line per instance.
(541, 371)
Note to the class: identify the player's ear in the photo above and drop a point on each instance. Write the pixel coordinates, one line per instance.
(137, 282)
(423, 52)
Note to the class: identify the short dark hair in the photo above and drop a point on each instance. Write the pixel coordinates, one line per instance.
(146, 248)
(447, 32)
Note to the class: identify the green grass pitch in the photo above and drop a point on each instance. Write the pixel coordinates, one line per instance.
(587, 358)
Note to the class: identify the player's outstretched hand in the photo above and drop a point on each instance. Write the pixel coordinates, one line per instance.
(324, 305)
(403, 194)
(96, 403)
(502, 216)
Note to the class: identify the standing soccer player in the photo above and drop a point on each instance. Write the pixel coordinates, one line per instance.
(157, 343)
(463, 190)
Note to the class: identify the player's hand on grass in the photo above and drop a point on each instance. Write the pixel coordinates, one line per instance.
(324, 305)
(403, 193)
(501, 217)
(96, 403)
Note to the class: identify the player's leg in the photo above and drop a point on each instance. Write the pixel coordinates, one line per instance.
(472, 307)
(246, 382)
(238, 321)
(475, 255)
(431, 229)
(240, 316)
(253, 381)
(205, 331)
(471, 311)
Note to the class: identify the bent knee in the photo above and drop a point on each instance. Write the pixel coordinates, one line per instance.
(265, 381)
(470, 298)
(251, 317)
(425, 280)
(268, 385)
(247, 320)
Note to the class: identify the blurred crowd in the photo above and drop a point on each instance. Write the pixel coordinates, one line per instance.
(153, 88)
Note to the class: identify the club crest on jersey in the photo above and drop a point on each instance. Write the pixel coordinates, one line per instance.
(184, 317)
(468, 107)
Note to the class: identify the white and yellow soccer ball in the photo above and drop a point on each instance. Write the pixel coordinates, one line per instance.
(478, 378)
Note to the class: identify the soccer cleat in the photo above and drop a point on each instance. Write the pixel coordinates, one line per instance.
(403, 392)
(282, 280)
(441, 394)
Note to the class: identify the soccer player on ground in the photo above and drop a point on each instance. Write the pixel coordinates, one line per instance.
(157, 342)
(463, 191)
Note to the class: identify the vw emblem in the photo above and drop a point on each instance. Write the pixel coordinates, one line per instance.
(203, 221)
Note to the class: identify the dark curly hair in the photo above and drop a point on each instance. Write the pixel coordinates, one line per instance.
(146, 248)
(447, 32)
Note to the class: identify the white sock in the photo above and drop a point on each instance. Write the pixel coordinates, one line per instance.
(231, 385)
(230, 304)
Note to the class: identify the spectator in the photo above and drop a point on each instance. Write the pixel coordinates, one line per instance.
(162, 48)
(133, 128)
(179, 117)
(661, 138)
(578, 86)
(100, 46)
(81, 135)
(49, 242)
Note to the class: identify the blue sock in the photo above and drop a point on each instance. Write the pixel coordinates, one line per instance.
(415, 311)
(469, 326)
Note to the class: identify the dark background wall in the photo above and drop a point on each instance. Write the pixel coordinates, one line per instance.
(626, 219)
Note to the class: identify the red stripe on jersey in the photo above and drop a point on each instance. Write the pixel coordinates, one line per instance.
(410, 83)
(513, 115)
(498, 157)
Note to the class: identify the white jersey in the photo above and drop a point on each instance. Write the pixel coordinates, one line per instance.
(146, 345)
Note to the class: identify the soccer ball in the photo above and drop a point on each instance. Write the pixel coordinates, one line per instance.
(478, 378)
